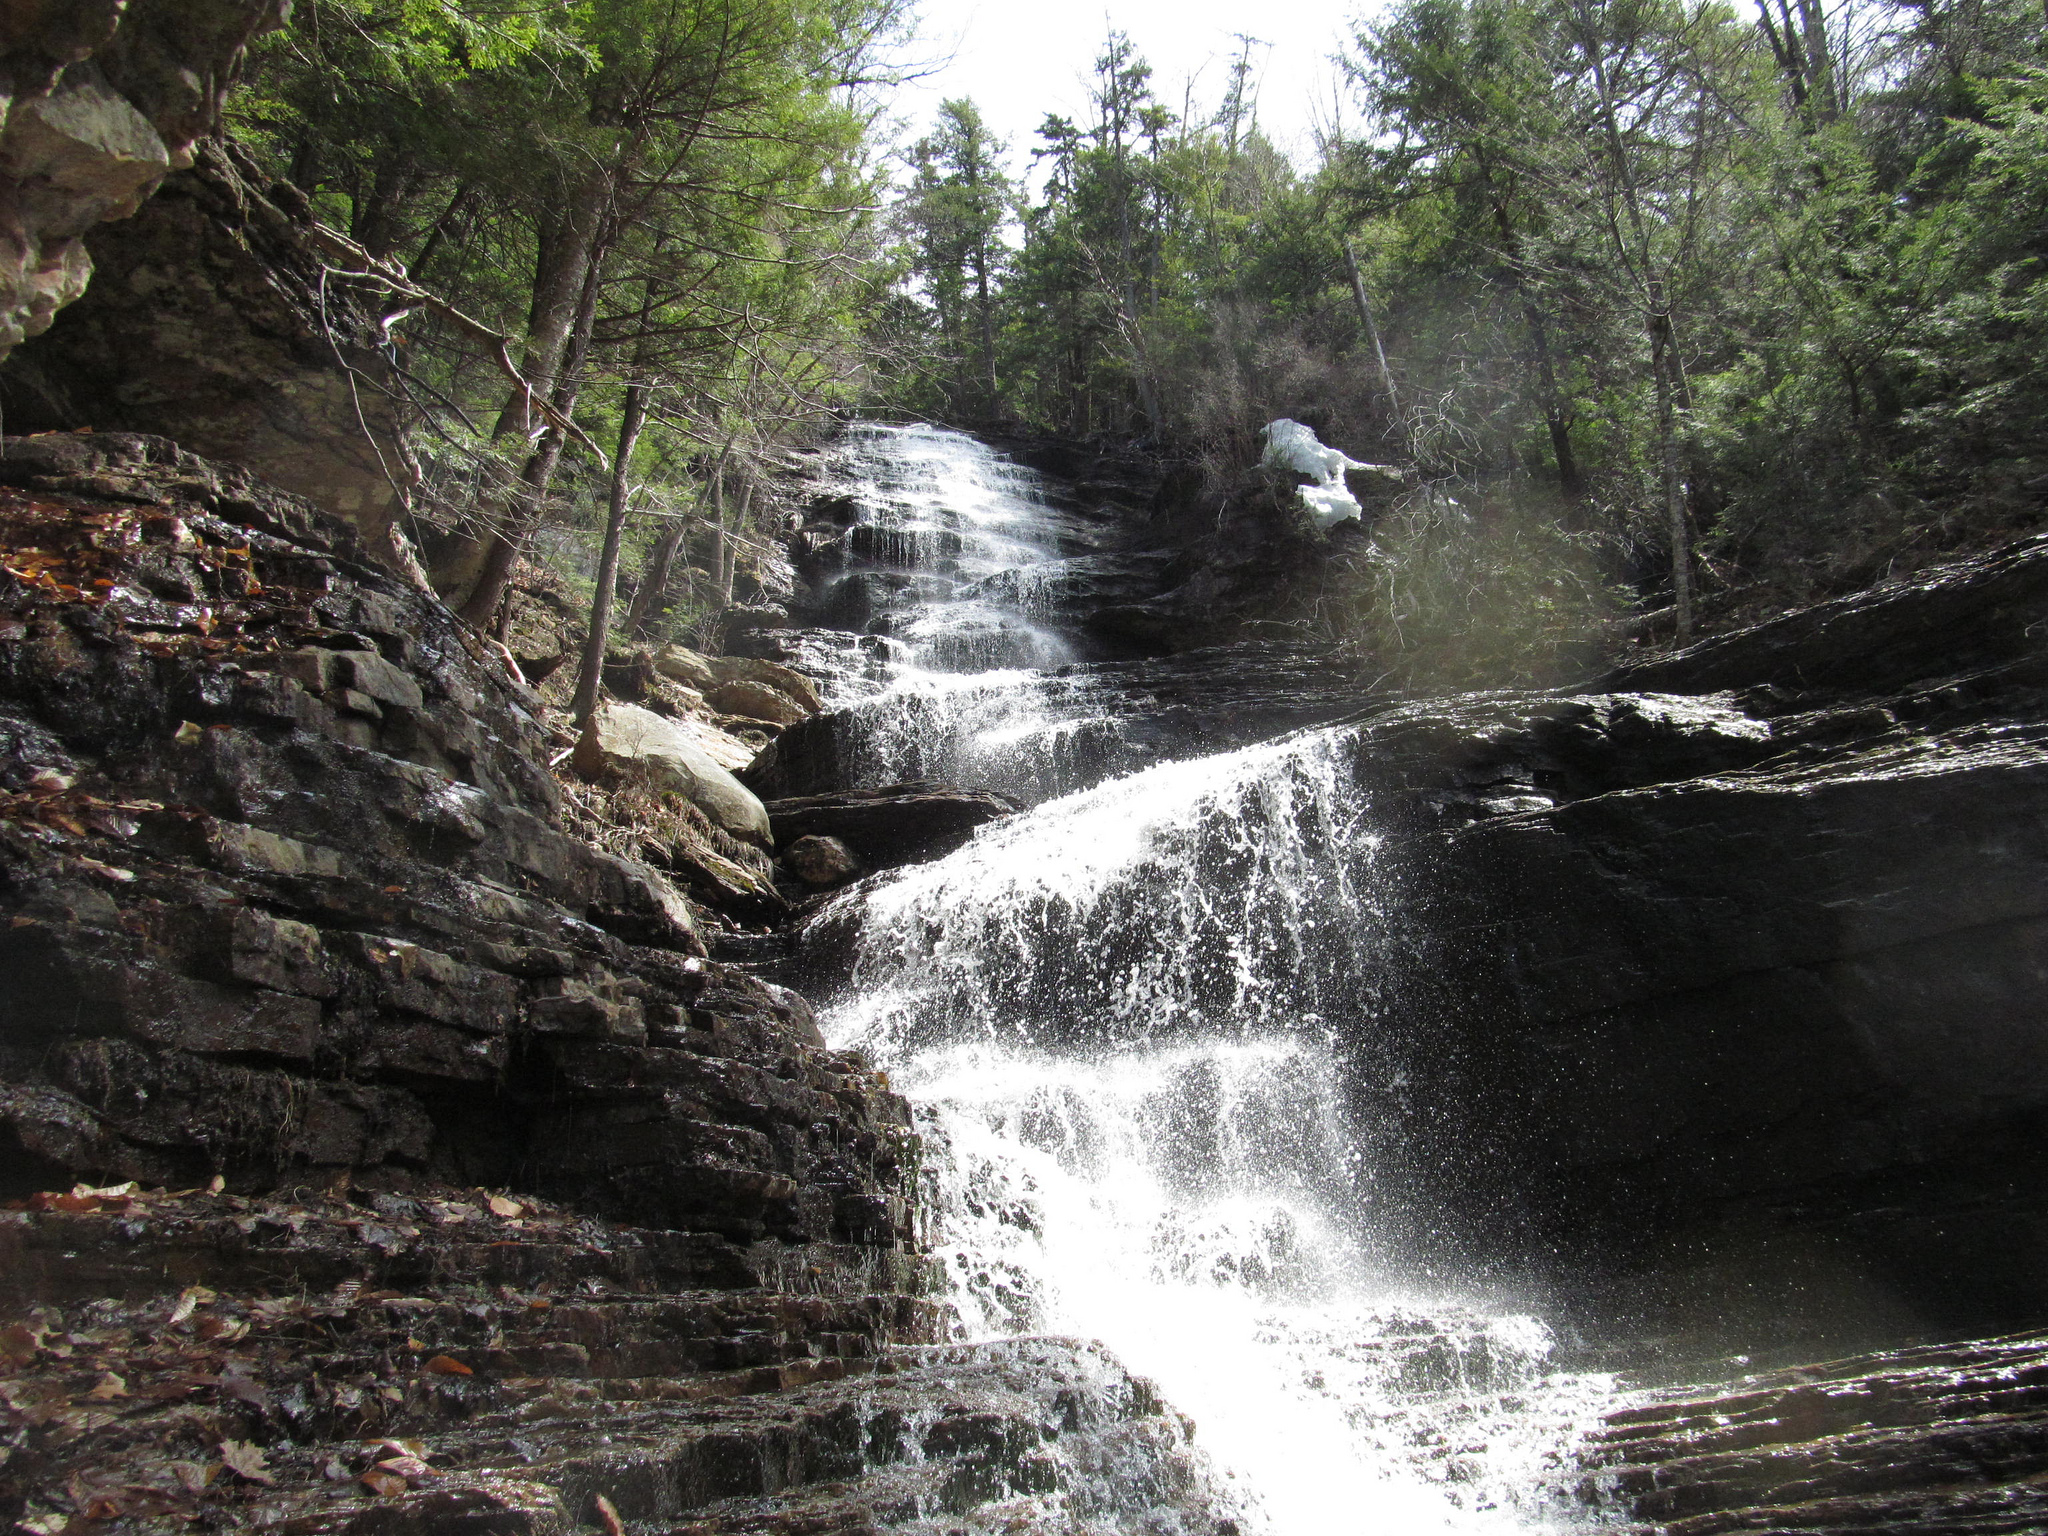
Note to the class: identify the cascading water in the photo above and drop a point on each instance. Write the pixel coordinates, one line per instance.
(963, 538)
(1125, 1013)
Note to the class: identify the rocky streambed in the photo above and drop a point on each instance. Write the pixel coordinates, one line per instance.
(383, 1156)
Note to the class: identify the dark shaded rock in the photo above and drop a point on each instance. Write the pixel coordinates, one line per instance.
(534, 1362)
(1743, 984)
(896, 824)
(269, 360)
(534, 1357)
(821, 860)
(1948, 621)
(291, 900)
(1942, 1438)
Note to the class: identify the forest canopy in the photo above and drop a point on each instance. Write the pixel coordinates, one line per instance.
(1701, 304)
(1761, 285)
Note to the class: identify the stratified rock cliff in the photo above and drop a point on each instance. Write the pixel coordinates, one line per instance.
(1734, 966)
(217, 321)
(287, 899)
(385, 1158)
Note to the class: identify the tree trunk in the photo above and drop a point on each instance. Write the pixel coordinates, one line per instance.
(1661, 356)
(1379, 352)
(1555, 418)
(654, 576)
(592, 672)
(654, 580)
(530, 495)
(562, 270)
(988, 329)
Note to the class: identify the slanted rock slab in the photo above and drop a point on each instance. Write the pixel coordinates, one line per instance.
(896, 824)
(624, 736)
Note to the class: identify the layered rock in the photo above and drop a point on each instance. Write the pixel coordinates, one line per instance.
(218, 321)
(287, 897)
(452, 1361)
(1741, 986)
(304, 975)
(881, 828)
(1138, 712)
(1938, 1439)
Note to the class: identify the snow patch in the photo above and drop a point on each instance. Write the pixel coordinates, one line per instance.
(1290, 445)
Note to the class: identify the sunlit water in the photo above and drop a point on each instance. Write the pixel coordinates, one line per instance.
(963, 692)
(1119, 1014)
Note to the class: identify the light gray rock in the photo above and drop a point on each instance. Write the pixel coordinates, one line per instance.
(756, 701)
(680, 664)
(623, 736)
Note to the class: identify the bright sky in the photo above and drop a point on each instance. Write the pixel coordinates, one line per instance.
(1019, 59)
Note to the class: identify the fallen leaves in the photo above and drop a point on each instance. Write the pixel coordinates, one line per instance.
(189, 1300)
(505, 1206)
(245, 1461)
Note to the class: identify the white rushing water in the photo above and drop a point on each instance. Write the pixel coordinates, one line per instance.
(964, 694)
(1121, 1014)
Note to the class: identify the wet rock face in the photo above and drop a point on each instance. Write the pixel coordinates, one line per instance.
(1940, 1439)
(285, 897)
(881, 828)
(1748, 980)
(1143, 712)
(427, 1364)
(101, 101)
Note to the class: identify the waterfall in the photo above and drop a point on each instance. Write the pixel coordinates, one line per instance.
(1125, 1015)
(966, 694)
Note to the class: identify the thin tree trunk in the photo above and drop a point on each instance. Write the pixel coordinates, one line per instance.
(654, 578)
(1379, 352)
(562, 272)
(721, 550)
(1661, 347)
(592, 672)
(988, 328)
(739, 524)
(1555, 419)
(530, 496)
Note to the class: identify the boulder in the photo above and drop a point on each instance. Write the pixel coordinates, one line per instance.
(755, 616)
(730, 752)
(680, 664)
(897, 824)
(821, 860)
(770, 674)
(622, 737)
(756, 701)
